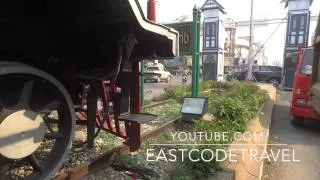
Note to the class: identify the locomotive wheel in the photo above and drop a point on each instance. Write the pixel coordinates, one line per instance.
(37, 122)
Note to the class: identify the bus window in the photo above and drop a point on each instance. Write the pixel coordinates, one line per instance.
(306, 66)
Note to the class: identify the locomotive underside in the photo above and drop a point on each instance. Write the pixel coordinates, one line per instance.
(48, 49)
(77, 39)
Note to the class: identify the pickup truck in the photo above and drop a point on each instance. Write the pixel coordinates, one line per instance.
(156, 74)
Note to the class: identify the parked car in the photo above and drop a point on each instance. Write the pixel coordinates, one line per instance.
(270, 74)
(157, 73)
(175, 70)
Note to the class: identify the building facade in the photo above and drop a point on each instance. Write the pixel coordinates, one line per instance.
(213, 40)
(297, 34)
(298, 24)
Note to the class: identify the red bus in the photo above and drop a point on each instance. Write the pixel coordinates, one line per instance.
(301, 108)
(316, 71)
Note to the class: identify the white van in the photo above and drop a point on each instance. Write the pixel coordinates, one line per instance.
(157, 73)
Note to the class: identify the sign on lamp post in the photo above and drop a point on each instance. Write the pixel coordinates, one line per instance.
(185, 37)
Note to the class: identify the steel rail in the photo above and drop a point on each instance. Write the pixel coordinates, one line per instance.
(105, 160)
(157, 104)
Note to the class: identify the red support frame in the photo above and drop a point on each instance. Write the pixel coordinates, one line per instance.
(110, 122)
(135, 107)
(106, 121)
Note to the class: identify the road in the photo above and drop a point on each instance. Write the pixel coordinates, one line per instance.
(304, 141)
(155, 89)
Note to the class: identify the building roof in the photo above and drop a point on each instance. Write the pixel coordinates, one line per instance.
(213, 4)
(286, 2)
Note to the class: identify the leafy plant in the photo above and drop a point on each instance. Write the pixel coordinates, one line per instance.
(147, 102)
(161, 97)
(107, 139)
(180, 173)
(206, 85)
(178, 92)
(233, 104)
(127, 160)
(202, 168)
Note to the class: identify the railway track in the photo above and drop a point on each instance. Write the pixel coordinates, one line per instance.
(156, 104)
(105, 160)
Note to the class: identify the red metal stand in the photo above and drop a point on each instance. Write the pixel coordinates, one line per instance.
(108, 118)
(135, 108)
(152, 10)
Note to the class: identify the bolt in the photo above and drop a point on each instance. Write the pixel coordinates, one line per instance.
(118, 90)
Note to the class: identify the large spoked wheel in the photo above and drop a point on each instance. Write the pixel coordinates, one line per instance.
(37, 122)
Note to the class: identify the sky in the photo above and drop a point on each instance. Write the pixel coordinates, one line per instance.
(239, 10)
(169, 10)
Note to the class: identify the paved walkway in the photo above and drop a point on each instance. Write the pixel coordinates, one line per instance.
(303, 140)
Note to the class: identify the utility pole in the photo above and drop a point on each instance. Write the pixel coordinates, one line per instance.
(250, 54)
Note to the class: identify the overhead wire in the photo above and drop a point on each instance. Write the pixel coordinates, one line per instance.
(274, 31)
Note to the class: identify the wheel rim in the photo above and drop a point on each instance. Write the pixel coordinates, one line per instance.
(24, 129)
(43, 100)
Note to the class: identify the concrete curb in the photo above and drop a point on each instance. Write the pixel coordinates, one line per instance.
(272, 92)
(247, 168)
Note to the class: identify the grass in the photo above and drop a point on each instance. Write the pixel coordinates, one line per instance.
(147, 102)
(166, 112)
(161, 97)
(108, 140)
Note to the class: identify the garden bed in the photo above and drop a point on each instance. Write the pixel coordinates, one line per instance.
(231, 107)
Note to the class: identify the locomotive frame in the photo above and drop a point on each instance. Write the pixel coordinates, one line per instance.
(48, 50)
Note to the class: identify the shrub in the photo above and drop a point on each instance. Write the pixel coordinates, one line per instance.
(201, 168)
(161, 97)
(147, 102)
(233, 112)
(206, 85)
(233, 108)
(223, 85)
(178, 92)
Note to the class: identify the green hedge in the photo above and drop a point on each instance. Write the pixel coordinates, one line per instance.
(233, 108)
(233, 105)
